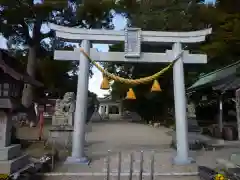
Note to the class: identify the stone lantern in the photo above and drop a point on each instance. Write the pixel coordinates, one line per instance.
(11, 84)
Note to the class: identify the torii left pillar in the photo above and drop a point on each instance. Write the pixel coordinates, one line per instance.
(78, 155)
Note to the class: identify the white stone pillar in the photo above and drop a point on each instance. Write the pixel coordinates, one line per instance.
(120, 109)
(100, 109)
(107, 109)
(180, 108)
(220, 117)
(102, 113)
(78, 155)
(238, 110)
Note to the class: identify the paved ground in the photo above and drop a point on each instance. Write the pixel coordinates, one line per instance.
(129, 137)
(126, 138)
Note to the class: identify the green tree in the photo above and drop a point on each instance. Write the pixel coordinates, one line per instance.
(58, 77)
(159, 16)
(22, 22)
(224, 43)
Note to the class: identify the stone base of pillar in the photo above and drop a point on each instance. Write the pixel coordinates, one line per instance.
(61, 136)
(73, 160)
(182, 161)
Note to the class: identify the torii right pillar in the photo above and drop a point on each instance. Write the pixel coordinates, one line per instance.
(180, 108)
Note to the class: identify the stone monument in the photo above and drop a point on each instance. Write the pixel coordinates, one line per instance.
(191, 112)
(191, 117)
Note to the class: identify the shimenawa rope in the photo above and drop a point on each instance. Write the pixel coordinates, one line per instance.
(131, 81)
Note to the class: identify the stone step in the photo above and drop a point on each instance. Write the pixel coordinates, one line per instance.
(60, 119)
(10, 152)
(225, 164)
(122, 177)
(60, 116)
(11, 166)
(235, 159)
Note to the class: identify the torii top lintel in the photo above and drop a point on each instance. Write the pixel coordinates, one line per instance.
(113, 36)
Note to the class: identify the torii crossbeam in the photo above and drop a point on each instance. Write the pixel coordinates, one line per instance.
(133, 38)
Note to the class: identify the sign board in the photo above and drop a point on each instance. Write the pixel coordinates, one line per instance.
(132, 43)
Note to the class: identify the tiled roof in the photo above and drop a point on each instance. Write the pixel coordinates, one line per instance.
(222, 79)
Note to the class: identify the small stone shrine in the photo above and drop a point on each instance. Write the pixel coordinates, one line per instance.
(11, 84)
(191, 116)
(191, 112)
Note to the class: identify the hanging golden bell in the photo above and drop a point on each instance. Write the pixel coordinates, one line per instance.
(130, 94)
(105, 83)
(156, 86)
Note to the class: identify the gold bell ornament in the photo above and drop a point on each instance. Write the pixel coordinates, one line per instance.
(156, 86)
(130, 94)
(105, 83)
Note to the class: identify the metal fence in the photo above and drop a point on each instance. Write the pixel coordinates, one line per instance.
(131, 174)
(151, 174)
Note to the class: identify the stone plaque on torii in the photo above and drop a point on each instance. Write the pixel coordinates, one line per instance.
(133, 37)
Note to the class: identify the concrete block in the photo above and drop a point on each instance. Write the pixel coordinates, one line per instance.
(61, 136)
(225, 164)
(235, 158)
(10, 152)
(11, 166)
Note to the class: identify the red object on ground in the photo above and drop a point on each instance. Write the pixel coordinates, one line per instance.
(41, 124)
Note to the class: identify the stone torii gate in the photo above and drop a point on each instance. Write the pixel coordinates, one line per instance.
(132, 38)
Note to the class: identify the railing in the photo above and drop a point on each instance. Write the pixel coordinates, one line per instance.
(131, 173)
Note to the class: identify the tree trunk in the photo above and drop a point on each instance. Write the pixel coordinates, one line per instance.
(27, 95)
(34, 44)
